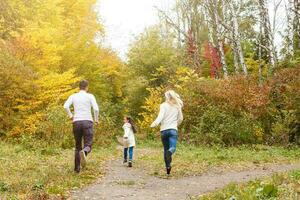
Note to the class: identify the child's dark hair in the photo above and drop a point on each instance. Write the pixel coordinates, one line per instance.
(130, 121)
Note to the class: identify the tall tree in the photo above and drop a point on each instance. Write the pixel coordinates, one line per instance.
(188, 24)
(290, 27)
(296, 24)
(216, 21)
(267, 33)
(237, 47)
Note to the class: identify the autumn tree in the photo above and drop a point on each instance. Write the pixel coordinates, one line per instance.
(51, 44)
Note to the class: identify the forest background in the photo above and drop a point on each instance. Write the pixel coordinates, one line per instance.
(238, 87)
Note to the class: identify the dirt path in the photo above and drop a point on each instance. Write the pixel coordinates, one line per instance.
(122, 182)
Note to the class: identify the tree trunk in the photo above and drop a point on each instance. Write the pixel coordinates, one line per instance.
(219, 38)
(290, 28)
(260, 55)
(236, 38)
(265, 22)
(297, 24)
(235, 54)
(235, 59)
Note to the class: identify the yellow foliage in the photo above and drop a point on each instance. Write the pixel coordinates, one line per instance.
(28, 126)
(253, 66)
(51, 90)
(55, 88)
(183, 76)
(112, 67)
(50, 45)
(151, 109)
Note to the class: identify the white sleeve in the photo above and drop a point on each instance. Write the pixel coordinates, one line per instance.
(180, 117)
(159, 117)
(67, 105)
(126, 131)
(95, 108)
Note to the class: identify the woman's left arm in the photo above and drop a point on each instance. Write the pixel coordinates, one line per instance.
(180, 117)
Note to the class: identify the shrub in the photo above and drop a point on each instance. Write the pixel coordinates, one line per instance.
(284, 110)
(218, 127)
(225, 112)
(106, 132)
(283, 129)
(55, 128)
(235, 111)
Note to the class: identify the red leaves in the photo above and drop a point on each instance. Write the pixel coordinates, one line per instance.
(212, 57)
(192, 47)
(193, 53)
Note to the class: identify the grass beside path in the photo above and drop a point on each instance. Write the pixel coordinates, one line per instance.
(285, 186)
(191, 160)
(45, 172)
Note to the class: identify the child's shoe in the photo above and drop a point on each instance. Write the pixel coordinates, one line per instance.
(130, 163)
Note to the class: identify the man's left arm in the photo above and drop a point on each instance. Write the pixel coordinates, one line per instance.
(95, 108)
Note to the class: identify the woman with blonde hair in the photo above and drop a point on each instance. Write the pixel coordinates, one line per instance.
(170, 117)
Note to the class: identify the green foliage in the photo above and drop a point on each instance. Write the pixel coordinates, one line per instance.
(191, 160)
(283, 128)
(218, 127)
(55, 127)
(44, 171)
(281, 187)
(152, 63)
(153, 57)
(284, 110)
(4, 187)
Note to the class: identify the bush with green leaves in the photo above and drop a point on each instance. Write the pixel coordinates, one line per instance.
(279, 187)
(216, 126)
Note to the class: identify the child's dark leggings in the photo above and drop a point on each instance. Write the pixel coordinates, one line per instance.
(130, 149)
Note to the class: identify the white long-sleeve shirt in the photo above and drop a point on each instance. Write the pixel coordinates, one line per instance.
(82, 102)
(169, 117)
(128, 133)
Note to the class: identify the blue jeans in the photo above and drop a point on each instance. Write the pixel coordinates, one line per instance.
(130, 149)
(169, 139)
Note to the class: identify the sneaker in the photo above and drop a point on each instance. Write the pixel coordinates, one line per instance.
(130, 164)
(82, 159)
(169, 170)
(124, 161)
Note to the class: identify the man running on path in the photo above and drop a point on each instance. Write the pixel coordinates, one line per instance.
(82, 122)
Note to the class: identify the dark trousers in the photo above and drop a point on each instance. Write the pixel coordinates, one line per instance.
(130, 150)
(82, 130)
(169, 139)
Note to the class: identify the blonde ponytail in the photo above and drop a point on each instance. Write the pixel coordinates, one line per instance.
(173, 98)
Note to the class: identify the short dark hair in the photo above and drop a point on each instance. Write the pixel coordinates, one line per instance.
(83, 84)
